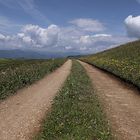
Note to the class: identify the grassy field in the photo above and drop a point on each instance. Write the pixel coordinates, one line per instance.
(76, 112)
(15, 74)
(123, 61)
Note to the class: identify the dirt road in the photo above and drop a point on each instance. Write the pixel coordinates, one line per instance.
(21, 114)
(121, 102)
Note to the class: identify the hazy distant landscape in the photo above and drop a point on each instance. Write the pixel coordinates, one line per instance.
(26, 54)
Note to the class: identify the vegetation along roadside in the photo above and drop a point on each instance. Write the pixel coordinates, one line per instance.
(15, 74)
(76, 112)
(122, 61)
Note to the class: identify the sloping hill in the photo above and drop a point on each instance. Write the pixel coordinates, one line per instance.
(123, 61)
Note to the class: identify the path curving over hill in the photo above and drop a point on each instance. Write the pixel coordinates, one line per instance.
(121, 102)
(21, 114)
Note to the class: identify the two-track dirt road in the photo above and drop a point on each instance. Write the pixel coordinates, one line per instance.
(121, 102)
(21, 114)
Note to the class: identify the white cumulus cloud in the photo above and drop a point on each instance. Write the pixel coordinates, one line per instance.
(44, 37)
(83, 37)
(32, 36)
(133, 26)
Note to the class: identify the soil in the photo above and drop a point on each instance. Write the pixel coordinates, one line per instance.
(21, 115)
(121, 103)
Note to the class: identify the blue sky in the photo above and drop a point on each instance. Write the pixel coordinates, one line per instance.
(68, 25)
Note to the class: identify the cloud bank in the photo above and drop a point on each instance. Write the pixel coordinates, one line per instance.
(81, 35)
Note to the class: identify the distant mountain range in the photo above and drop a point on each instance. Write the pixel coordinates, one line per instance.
(34, 54)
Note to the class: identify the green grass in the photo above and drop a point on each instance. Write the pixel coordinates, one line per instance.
(123, 61)
(76, 112)
(15, 74)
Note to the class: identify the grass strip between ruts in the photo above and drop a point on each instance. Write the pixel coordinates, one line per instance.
(76, 112)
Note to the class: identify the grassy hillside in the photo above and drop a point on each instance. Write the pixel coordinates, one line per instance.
(123, 61)
(76, 113)
(15, 74)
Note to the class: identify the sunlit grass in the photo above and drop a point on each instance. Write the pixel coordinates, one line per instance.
(123, 61)
(76, 113)
(15, 74)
